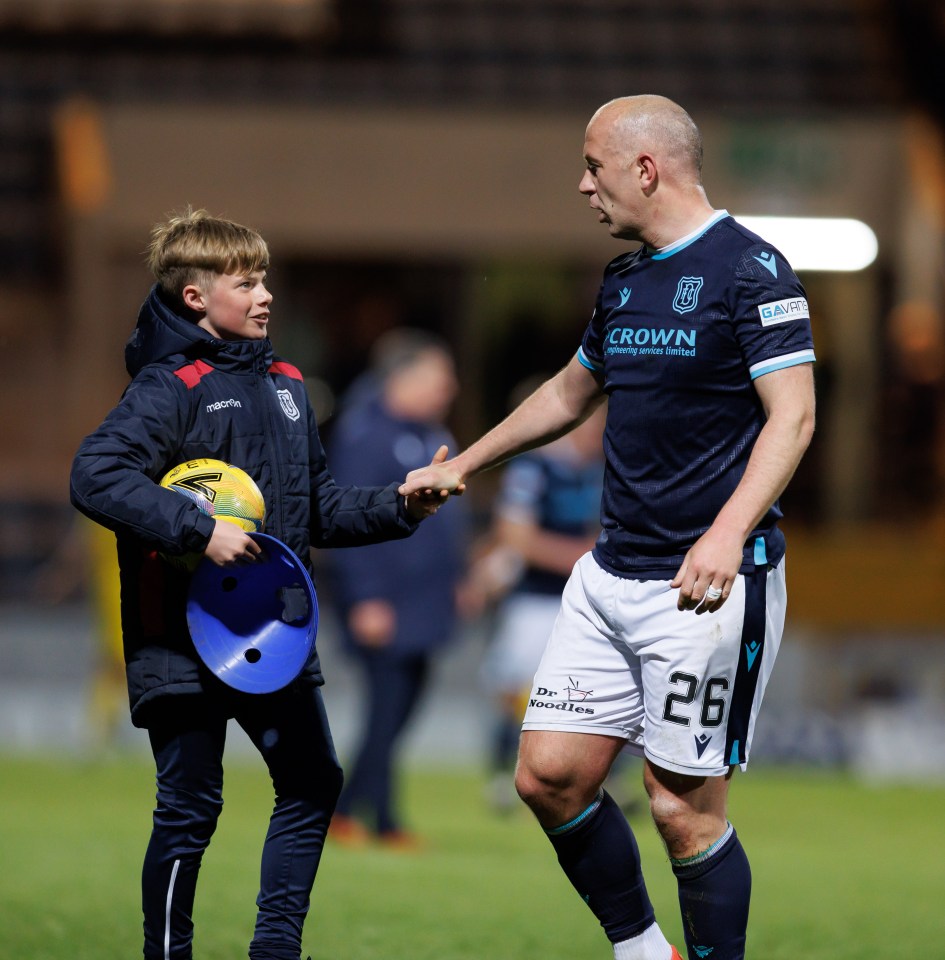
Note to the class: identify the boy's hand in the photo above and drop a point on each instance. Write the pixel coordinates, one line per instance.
(229, 544)
(426, 489)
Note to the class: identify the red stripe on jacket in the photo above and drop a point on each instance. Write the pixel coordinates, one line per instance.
(192, 373)
(287, 370)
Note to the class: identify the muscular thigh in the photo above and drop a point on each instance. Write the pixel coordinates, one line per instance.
(559, 774)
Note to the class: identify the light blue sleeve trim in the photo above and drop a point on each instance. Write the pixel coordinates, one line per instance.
(582, 357)
(779, 363)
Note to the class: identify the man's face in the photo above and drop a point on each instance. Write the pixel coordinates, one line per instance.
(236, 307)
(610, 180)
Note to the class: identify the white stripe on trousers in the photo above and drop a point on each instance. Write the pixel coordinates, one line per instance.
(167, 912)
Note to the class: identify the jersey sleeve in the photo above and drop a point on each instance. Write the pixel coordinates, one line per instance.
(771, 313)
(591, 351)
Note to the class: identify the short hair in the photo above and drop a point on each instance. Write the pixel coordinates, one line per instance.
(195, 247)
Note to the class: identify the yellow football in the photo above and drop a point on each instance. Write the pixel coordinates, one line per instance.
(219, 490)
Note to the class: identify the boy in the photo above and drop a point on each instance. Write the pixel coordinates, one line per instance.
(206, 384)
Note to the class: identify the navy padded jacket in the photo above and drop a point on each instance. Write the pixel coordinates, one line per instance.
(193, 396)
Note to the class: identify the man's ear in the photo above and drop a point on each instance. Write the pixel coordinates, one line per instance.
(194, 298)
(647, 172)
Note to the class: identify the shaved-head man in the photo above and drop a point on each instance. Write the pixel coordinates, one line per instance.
(668, 630)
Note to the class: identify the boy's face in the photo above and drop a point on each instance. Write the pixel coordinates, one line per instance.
(235, 307)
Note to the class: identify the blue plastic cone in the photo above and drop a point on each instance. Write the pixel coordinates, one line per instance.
(254, 624)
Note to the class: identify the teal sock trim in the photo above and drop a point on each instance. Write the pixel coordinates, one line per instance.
(699, 857)
(579, 819)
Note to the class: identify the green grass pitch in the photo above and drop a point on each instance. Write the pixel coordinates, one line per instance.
(841, 871)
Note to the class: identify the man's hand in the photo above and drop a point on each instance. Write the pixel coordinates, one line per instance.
(426, 489)
(708, 571)
(229, 544)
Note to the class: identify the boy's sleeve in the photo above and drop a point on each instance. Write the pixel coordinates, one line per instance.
(115, 471)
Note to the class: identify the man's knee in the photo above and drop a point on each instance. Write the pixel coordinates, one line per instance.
(671, 815)
(689, 812)
(559, 774)
(536, 782)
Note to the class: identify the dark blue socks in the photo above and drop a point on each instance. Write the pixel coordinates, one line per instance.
(599, 855)
(714, 893)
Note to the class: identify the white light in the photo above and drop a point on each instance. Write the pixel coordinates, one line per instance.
(818, 243)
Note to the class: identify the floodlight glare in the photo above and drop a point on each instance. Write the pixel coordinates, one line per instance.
(818, 243)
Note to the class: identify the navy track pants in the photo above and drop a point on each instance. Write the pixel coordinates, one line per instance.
(290, 730)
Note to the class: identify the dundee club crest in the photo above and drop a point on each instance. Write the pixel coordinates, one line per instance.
(687, 294)
(288, 404)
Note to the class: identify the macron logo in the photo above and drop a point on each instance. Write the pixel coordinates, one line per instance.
(751, 651)
(222, 405)
(769, 263)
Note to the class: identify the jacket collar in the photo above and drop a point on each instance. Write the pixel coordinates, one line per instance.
(161, 332)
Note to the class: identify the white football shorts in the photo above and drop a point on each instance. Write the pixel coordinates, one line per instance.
(681, 689)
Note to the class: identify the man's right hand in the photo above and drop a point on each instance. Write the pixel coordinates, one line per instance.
(229, 544)
(436, 480)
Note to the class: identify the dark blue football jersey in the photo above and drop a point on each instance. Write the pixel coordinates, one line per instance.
(678, 335)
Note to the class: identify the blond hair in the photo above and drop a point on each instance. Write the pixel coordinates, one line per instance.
(195, 247)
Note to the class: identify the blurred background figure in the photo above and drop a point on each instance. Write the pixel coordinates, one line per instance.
(86, 561)
(397, 604)
(546, 516)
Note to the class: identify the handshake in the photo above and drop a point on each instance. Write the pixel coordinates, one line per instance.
(427, 488)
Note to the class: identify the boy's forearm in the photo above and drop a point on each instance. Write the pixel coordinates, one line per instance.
(357, 516)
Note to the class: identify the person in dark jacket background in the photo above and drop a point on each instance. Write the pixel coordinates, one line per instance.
(205, 383)
(397, 601)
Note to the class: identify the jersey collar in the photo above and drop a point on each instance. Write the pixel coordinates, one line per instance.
(664, 252)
